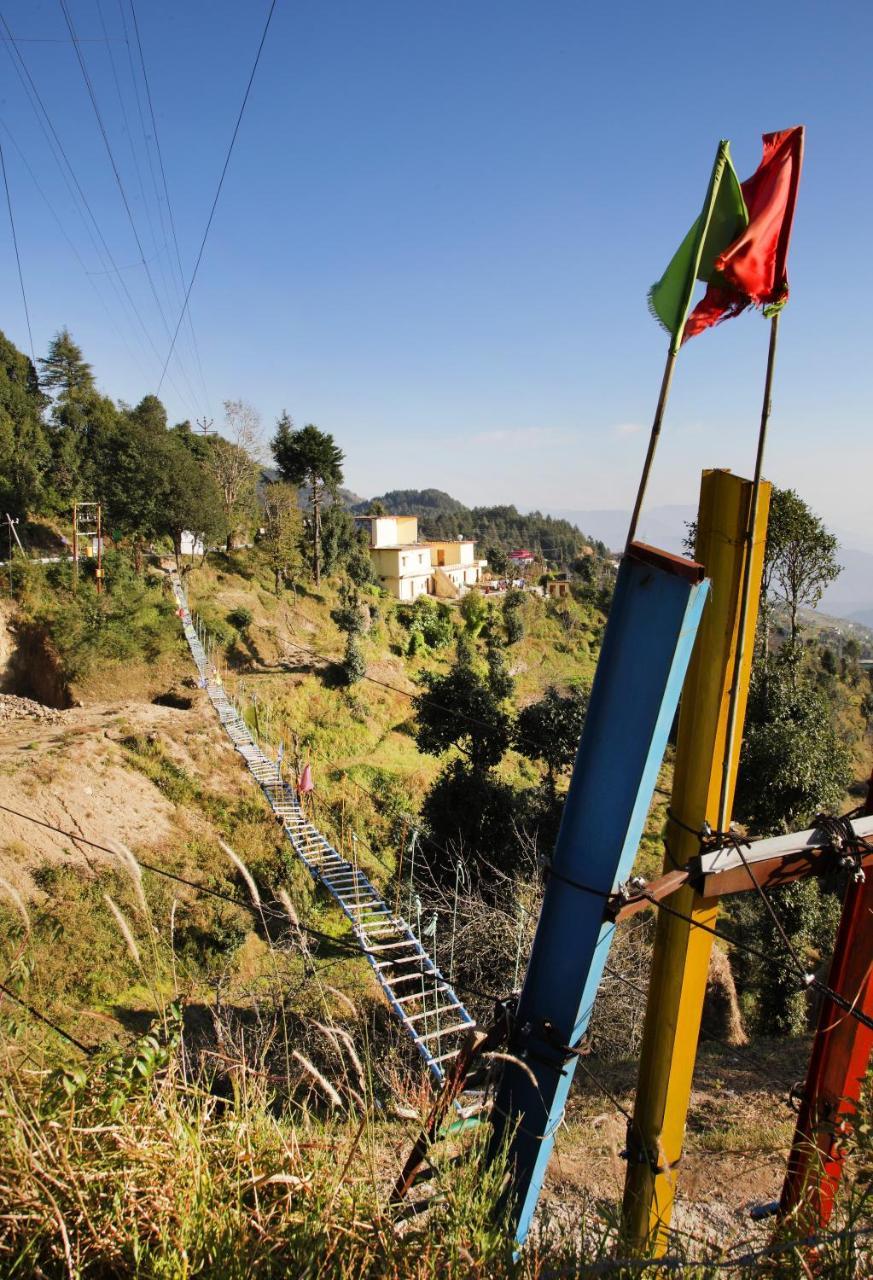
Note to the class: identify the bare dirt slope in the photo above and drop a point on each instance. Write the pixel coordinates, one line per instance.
(70, 769)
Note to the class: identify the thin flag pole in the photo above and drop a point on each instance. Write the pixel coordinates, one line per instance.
(676, 339)
(666, 382)
(723, 815)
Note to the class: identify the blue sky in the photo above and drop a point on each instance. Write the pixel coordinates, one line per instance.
(440, 223)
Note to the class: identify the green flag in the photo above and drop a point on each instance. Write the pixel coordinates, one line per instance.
(723, 218)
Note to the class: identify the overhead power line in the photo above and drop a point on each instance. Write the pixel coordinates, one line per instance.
(170, 215)
(53, 141)
(117, 175)
(17, 254)
(218, 190)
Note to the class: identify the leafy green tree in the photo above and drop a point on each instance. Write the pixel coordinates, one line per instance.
(128, 465)
(549, 730)
(512, 616)
(354, 667)
(191, 501)
(65, 371)
(498, 559)
(800, 558)
(793, 762)
(232, 465)
(500, 682)
(309, 457)
(429, 620)
(25, 452)
(150, 415)
(474, 816)
(283, 530)
(349, 613)
(809, 912)
(474, 610)
(460, 709)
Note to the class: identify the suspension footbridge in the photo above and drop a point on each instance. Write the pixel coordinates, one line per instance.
(422, 999)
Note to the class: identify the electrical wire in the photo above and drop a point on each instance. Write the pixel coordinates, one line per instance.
(41, 1017)
(170, 214)
(17, 253)
(218, 191)
(73, 247)
(50, 133)
(116, 173)
(206, 890)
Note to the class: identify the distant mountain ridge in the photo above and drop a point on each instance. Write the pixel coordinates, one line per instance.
(850, 597)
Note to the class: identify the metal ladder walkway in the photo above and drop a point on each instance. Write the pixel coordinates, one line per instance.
(419, 995)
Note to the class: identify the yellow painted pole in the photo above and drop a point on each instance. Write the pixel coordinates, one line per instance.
(681, 956)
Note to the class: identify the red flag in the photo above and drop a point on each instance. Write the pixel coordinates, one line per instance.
(305, 785)
(753, 270)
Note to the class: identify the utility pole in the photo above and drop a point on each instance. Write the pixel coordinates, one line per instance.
(13, 532)
(88, 523)
(205, 424)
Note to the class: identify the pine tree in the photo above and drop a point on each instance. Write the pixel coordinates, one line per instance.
(309, 457)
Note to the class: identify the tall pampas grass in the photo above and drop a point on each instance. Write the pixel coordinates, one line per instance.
(16, 898)
(244, 872)
(125, 928)
(135, 872)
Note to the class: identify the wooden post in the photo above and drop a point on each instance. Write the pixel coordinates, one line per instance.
(681, 957)
(653, 621)
(837, 1067)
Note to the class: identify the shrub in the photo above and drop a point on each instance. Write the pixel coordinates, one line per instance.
(354, 667)
(240, 618)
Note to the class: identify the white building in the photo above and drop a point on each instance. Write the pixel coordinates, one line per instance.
(408, 568)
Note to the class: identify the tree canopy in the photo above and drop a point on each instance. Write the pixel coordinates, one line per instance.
(309, 457)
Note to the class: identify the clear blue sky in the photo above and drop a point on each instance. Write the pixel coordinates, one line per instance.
(440, 223)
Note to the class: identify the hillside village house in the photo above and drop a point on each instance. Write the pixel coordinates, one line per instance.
(408, 568)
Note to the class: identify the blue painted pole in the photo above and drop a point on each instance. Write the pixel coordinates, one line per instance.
(653, 621)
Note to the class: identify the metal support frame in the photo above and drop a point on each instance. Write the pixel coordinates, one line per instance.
(88, 523)
(838, 1064)
(711, 708)
(653, 622)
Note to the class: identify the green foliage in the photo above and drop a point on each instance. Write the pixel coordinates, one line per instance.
(24, 447)
(354, 666)
(65, 370)
(801, 555)
(309, 457)
(474, 610)
(775, 997)
(229, 460)
(460, 709)
(241, 618)
(131, 620)
(473, 815)
(349, 613)
(429, 623)
(793, 762)
(512, 616)
(498, 559)
(500, 681)
(283, 533)
(549, 730)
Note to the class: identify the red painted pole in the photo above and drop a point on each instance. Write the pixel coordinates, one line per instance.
(838, 1064)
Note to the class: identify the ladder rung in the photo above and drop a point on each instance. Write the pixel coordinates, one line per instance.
(432, 1013)
(443, 1031)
